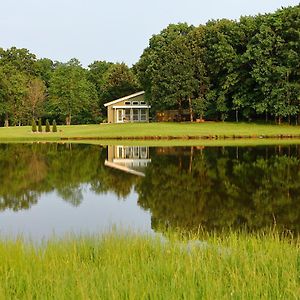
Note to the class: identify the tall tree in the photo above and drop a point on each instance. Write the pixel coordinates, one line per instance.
(35, 99)
(70, 92)
(118, 81)
(166, 69)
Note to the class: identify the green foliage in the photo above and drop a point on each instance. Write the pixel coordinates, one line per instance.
(119, 81)
(70, 92)
(227, 69)
(47, 129)
(40, 128)
(33, 126)
(54, 127)
(166, 68)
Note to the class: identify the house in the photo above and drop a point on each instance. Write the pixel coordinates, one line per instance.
(130, 159)
(132, 108)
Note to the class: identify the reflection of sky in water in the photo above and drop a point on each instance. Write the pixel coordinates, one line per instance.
(96, 214)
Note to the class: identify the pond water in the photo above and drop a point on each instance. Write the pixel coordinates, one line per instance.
(48, 189)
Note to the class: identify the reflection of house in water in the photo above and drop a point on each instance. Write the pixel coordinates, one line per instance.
(130, 159)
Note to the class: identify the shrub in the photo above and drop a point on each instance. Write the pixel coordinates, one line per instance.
(40, 128)
(54, 128)
(47, 126)
(33, 126)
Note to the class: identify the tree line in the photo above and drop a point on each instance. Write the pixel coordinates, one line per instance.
(224, 70)
(32, 88)
(247, 69)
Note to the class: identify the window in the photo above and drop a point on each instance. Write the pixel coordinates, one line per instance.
(135, 102)
(127, 114)
(143, 114)
(135, 114)
(119, 152)
(136, 152)
(128, 152)
(143, 152)
(142, 102)
(127, 102)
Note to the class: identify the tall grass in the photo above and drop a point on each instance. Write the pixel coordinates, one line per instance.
(128, 266)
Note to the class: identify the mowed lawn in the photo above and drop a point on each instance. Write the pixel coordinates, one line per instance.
(184, 130)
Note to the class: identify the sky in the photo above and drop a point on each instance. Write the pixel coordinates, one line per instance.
(111, 30)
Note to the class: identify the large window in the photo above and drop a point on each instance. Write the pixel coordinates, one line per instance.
(135, 114)
(143, 114)
(127, 114)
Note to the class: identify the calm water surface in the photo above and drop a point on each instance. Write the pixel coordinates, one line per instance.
(48, 189)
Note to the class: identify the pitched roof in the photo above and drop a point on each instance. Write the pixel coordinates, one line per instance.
(125, 98)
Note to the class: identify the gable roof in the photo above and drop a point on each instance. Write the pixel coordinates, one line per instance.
(125, 98)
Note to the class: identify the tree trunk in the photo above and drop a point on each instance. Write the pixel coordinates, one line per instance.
(236, 115)
(191, 110)
(298, 119)
(68, 119)
(179, 111)
(6, 123)
(279, 120)
(267, 119)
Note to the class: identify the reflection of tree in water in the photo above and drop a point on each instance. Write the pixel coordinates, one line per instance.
(28, 170)
(184, 187)
(249, 188)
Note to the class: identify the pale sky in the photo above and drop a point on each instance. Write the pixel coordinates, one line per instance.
(112, 30)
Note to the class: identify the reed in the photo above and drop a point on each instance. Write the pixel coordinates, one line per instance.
(131, 266)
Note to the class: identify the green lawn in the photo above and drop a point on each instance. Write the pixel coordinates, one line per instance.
(155, 130)
(126, 266)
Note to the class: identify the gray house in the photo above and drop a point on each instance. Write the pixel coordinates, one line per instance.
(132, 108)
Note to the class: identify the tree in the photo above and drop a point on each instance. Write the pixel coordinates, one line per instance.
(166, 69)
(17, 67)
(54, 127)
(45, 68)
(19, 59)
(70, 92)
(118, 81)
(96, 75)
(47, 129)
(33, 126)
(40, 128)
(36, 96)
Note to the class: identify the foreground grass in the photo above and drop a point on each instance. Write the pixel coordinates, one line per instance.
(184, 130)
(124, 266)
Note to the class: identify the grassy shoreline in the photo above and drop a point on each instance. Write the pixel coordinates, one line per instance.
(155, 131)
(128, 266)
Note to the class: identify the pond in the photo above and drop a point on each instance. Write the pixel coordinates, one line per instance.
(59, 189)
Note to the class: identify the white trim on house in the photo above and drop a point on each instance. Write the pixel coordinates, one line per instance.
(124, 98)
(131, 106)
(123, 168)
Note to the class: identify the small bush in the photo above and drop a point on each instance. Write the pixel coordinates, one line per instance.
(47, 126)
(40, 128)
(33, 126)
(54, 128)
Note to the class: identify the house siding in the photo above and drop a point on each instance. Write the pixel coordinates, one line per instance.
(112, 110)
